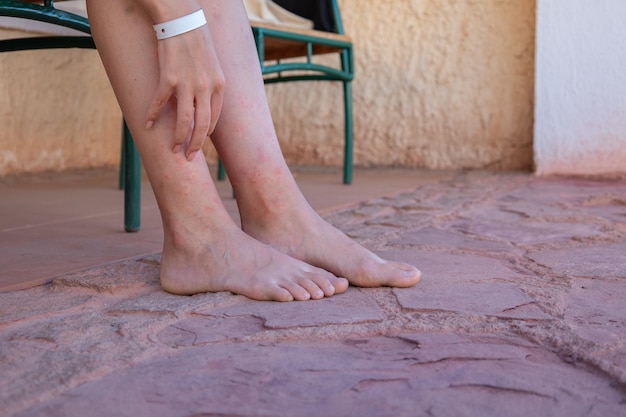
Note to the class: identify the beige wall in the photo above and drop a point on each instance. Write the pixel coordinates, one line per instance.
(440, 84)
(57, 111)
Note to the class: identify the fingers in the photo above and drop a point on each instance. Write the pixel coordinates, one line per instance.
(216, 107)
(205, 118)
(199, 130)
(191, 85)
(161, 97)
(184, 121)
(193, 122)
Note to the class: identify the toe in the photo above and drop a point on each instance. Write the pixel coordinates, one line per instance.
(381, 273)
(324, 285)
(297, 291)
(281, 294)
(318, 284)
(340, 285)
(405, 275)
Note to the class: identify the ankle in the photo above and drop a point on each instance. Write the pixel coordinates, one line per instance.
(185, 233)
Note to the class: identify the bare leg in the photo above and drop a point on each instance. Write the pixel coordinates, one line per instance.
(204, 250)
(272, 208)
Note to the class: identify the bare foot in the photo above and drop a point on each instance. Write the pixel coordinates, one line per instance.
(226, 259)
(303, 234)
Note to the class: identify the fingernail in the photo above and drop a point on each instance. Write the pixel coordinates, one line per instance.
(177, 148)
(149, 124)
(191, 156)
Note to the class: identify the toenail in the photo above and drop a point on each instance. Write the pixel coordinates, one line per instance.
(412, 273)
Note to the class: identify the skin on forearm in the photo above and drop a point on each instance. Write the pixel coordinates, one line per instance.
(164, 10)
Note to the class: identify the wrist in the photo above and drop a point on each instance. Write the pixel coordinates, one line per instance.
(180, 25)
(166, 10)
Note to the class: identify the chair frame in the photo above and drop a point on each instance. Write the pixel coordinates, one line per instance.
(315, 42)
(130, 170)
(308, 43)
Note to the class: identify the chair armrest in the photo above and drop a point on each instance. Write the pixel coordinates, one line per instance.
(282, 42)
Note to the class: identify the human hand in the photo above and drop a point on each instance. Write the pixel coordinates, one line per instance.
(191, 77)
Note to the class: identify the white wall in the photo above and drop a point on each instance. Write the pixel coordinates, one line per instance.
(580, 90)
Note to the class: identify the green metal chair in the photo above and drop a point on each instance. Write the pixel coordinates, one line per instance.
(275, 43)
(44, 11)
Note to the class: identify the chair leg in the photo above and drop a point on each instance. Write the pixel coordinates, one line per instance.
(349, 146)
(122, 174)
(132, 189)
(221, 171)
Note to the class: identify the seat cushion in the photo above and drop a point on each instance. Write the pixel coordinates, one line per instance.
(279, 47)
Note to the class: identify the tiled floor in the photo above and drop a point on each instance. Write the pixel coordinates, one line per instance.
(520, 310)
(52, 224)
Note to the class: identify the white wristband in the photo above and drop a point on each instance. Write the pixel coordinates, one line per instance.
(181, 25)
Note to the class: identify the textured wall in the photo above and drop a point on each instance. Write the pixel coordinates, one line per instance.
(57, 111)
(440, 84)
(581, 95)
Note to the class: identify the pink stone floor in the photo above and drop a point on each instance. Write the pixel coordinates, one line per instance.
(521, 312)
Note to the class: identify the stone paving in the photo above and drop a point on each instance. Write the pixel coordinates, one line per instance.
(520, 312)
